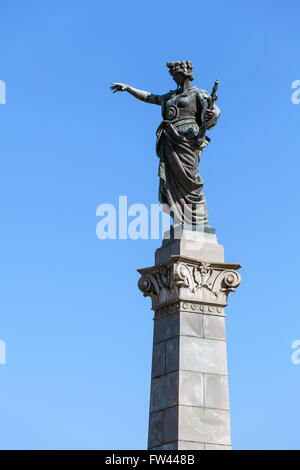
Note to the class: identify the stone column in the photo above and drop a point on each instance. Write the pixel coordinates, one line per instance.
(188, 286)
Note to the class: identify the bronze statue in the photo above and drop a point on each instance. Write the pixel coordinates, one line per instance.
(188, 112)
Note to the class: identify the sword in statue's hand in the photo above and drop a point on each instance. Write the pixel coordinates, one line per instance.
(213, 96)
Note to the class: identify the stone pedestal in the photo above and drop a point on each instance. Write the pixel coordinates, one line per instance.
(188, 286)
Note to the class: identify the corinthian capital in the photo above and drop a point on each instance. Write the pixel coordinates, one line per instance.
(187, 279)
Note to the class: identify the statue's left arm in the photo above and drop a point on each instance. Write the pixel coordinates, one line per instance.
(208, 114)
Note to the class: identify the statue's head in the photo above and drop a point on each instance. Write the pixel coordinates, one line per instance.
(181, 70)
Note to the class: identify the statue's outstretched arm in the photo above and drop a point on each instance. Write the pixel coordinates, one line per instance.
(145, 96)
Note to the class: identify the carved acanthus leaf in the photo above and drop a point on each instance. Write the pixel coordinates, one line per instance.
(186, 279)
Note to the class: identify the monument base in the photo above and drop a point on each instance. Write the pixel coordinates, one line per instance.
(189, 285)
(195, 244)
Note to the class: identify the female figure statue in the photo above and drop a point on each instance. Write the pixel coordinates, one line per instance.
(187, 113)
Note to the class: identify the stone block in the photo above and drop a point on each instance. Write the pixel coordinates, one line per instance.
(194, 244)
(155, 435)
(214, 327)
(191, 388)
(169, 446)
(164, 391)
(158, 359)
(186, 445)
(204, 425)
(201, 354)
(170, 425)
(191, 324)
(166, 327)
(172, 354)
(216, 391)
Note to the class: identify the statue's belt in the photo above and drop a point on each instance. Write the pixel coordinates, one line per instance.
(179, 119)
(164, 124)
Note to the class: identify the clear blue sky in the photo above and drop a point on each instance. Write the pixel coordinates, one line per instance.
(77, 330)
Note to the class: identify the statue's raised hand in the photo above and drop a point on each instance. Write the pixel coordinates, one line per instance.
(119, 87)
